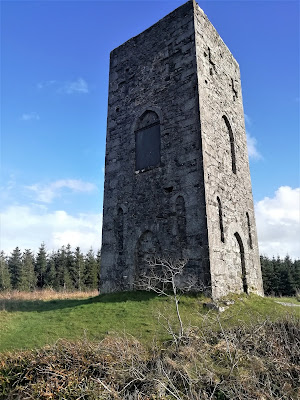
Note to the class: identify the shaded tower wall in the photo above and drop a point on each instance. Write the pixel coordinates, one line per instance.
(154, 200)
(234, 255)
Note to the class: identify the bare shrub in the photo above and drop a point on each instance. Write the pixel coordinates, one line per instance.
(264, 364)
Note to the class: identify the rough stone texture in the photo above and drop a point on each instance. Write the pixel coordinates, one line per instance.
(179, 72)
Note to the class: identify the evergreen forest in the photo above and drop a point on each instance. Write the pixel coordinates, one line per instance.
(63, 269)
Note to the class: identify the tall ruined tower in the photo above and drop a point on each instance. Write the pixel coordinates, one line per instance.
(177, 178)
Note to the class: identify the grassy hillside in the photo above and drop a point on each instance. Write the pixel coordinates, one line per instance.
(249, 352)
(29, 324)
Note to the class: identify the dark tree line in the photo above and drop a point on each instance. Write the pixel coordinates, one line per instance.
(281, 277)
(63, 269)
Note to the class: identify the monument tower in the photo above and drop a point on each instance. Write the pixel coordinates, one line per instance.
(177, 180)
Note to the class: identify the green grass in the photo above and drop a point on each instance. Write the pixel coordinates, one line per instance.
(292, 300)
(28, 324)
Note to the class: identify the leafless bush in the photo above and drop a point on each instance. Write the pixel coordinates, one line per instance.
(163, 276)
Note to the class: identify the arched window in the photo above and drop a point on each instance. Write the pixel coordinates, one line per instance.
(181, 219)
(147, 141)
(249, 231)
(221, 220)
(120, 230)
(243, 265)
(232, 148)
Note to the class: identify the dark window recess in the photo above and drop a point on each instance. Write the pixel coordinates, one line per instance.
(243, 264)
(147, 141)
(181, 219)
(120, 230)
(249, 231)
(221, 220)
(232, 147)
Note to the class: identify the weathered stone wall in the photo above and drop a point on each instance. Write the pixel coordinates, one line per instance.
(220, 96)
(162, 208)
(178, 82)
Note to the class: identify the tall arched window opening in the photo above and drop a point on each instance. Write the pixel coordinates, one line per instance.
(181, 219)
(249, 231)
(221, 219)
(232, 147)
(120, 230)
(243, 265)
(147, 141)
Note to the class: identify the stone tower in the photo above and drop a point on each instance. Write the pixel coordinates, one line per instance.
(177, 178)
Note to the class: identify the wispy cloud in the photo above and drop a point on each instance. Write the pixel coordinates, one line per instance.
(252, 147)
(78, 85)
(247, 120)
(27, 226)
(30, 116)
(278, 223)
(45, 84)
(46, 193)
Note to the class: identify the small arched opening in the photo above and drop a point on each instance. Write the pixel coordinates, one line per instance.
(221, 219)
(249, 230)
(147, 247)
(232, 146)
(147, 141)
(243, 265)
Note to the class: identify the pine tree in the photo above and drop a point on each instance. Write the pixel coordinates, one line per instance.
(98, 258)
(27, 278)
(296, 274)
(41, 265)
(71, 273)
(91, 270)
(50, 276)
(80, 269)
(15, 267)
(267, 269)
(5, 283)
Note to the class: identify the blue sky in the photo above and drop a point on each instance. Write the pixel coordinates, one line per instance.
(54, 83)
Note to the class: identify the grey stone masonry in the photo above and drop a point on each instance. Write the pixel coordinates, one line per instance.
(177, 180)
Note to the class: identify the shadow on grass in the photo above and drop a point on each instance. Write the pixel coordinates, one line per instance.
(11, 305)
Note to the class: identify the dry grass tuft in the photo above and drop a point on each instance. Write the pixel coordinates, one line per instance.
(46, 294)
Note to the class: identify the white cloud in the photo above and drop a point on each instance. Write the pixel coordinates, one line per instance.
(78, 86)
(68, 87)
(45, 84)
(278, 223)
(30, 116)
(28, 226)
(46, 193)
(252, 149)
(247, 119)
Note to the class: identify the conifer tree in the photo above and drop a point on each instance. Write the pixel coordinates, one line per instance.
(41, 265)
(91, 270)
(98, 258)
(79, 265)
(50, 276)
(27, 277)
(15, 267)
(71, 273)
(5, 283)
